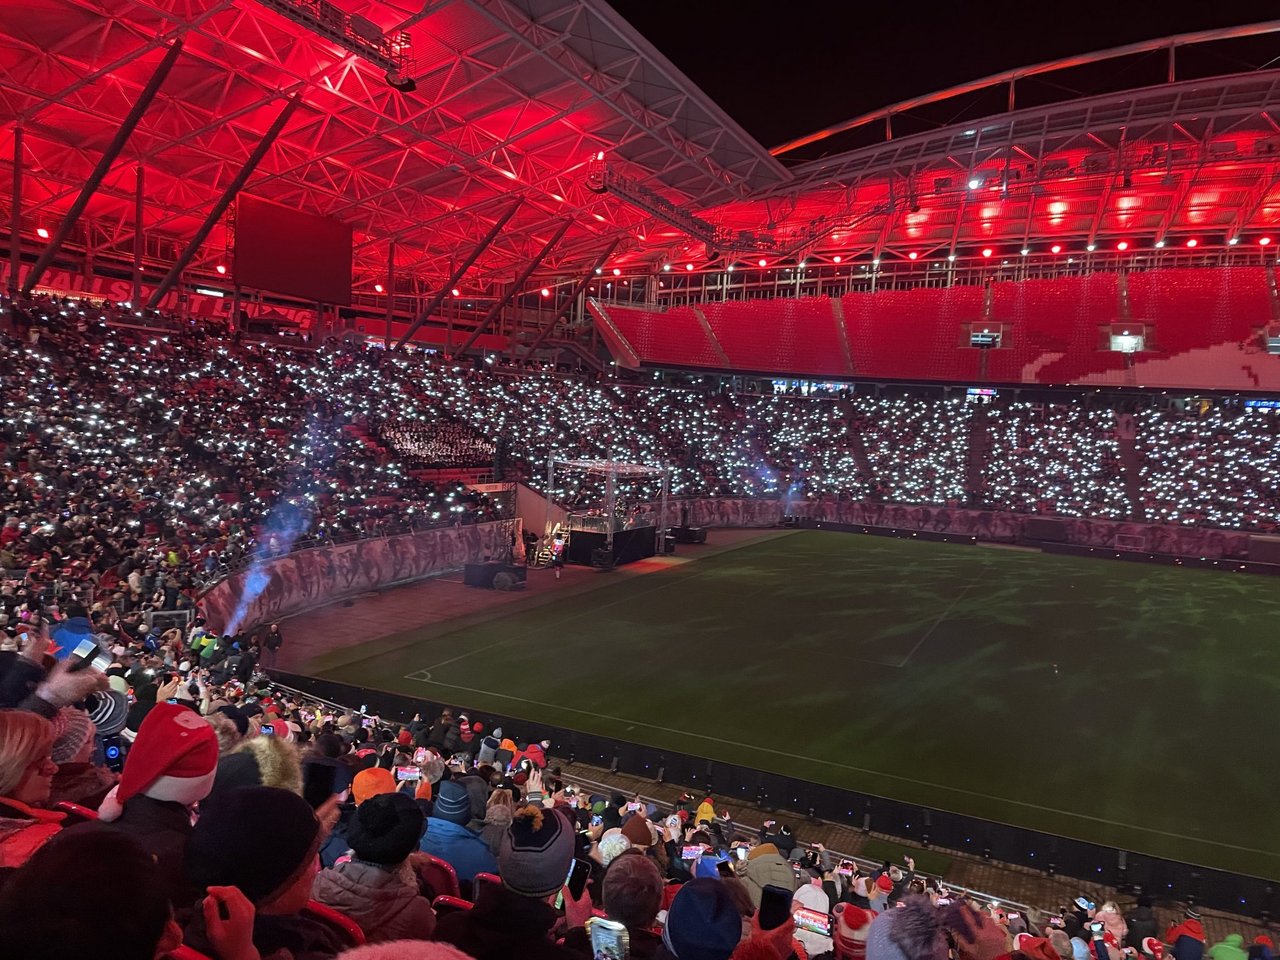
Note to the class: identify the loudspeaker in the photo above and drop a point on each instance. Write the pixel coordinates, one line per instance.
(689, 534)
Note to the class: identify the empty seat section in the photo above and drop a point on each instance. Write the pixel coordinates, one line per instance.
(748, 331)
(912, 334)
(674, 336)
(1065, 315)
(807, 341)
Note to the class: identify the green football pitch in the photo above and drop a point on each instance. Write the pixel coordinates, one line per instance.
(1124, 704)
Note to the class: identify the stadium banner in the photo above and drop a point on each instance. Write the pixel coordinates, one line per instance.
(719, 511)
(1001, 527)
(323, 574)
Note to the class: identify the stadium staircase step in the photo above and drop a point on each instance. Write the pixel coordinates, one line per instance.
(979, 451)
(1131, 460)
(711, 336)
(842, 336)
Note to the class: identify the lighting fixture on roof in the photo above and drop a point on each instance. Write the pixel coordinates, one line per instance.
(1122, 246)
(689, 266)
(951, 258)
(1193, 242)
(1056, 248)
(975, 183)
(666, 266)
(762, 262)
(456, 292)
(912, 255)
(1092, 247)
(42, 233)
(221, 269)
(801, 264)
(546, 292)
(1264, 241)
(987, 251)
(617, 272)
(599, 270)
(1233, 241)
(729, 267)
(377, 288)
(1159, 244)
(836, 259)
(1025, 251)
(355, 34)
(875, 263)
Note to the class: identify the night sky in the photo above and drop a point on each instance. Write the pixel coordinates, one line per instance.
(786, 69)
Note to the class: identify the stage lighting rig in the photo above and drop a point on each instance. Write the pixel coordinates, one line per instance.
(393, 52)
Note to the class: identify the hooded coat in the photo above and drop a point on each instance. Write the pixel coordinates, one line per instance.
(1232, 948)
(382, 901)
(765, 867)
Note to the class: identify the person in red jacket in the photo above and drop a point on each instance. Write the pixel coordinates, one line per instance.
(1187, 938)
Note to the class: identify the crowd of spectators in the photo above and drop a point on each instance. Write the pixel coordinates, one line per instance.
(438, 443)
(242, 821)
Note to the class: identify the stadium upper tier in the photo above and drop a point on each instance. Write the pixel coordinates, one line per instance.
(1176, 327)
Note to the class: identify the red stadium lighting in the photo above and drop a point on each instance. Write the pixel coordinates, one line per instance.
(1263, 241)
(1192, 242)
(617, 272)
(762, 262)
(1122, 246)
(1056, 248)
(836, 258)
(987, 251)
(220, 268)
(377, 288)
(688, 266)
(912, 255)
(546, 292)
(42, 233)
(456, 292)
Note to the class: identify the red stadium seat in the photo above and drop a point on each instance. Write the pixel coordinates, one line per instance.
(439, 877)
(75, 810)
(484, 882)
(348, 928)
(184, 952)
(445, 905)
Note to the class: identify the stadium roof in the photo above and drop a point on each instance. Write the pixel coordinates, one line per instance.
(515, 97)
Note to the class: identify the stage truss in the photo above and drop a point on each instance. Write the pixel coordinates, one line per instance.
(612, 471)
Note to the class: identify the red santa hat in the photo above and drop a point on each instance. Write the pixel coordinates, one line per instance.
(174, 758)
(852, 925)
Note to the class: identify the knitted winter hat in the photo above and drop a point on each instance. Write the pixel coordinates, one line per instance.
(535, 852)
(371, 783)
(259, 839)
(1152, 947)
(173, 758)
(109, 710)
(385, 829)
(405, 950)
(911, 933)
(72, 729)
(852, 926)
(611, 845)
(703, 922)
(637, 830)
(453, 803)
(884, 884)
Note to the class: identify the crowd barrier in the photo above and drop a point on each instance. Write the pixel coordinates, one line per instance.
(1002, 527)
(298, 581)
(738, 787)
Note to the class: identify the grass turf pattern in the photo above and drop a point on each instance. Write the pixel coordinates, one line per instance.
(918, 671)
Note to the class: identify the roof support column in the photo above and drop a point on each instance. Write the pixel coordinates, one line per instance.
(104, 164)
(15, 214)
(520, 281)
(434, 303)
(570, 300)
(136, 302)
(233, 188)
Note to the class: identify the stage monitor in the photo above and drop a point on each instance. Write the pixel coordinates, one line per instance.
(291, 252)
